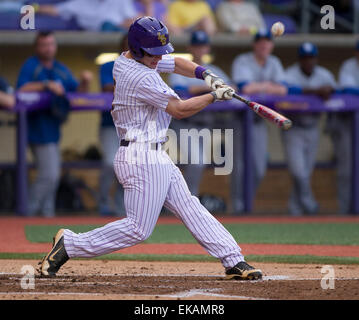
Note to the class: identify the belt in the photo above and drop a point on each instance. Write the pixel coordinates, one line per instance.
(154, 145)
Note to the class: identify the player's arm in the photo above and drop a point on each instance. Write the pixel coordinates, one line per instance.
(180, 109)
(191, 69)
(6, 100)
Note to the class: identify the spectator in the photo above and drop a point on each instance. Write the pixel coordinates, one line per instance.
(340, 127)
(240, 17)
(258, 72)
(190, 15)
(151, 8)
(109, 143)
(301, 141)
(45, 74)
(199, 47)
(7, 99)
(94, 15)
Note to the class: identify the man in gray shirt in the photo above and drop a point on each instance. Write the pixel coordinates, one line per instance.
(258, 72)
(301, 141)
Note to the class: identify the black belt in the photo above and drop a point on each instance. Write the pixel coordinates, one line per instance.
(154, 145)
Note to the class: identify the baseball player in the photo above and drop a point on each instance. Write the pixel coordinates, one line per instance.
(340, 127)
(258, 72)
(301, 141)
(142, 109)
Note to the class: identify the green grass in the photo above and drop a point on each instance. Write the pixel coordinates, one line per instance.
(286, 233)
(307, 259)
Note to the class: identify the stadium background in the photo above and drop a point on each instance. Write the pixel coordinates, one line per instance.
(298, 241)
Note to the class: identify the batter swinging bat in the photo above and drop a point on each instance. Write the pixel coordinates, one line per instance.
(266, 113)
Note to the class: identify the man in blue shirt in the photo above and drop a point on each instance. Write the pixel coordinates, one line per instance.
(43, 73)
(109, 143)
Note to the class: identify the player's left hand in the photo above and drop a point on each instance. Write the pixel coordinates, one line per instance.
(212, 80)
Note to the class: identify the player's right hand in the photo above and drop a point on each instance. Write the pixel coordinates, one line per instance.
(223, 92)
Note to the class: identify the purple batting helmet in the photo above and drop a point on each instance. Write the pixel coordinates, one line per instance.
(150, 35)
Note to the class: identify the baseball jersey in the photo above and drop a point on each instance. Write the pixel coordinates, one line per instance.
(140, 99)
(320, 77)
(245, 69)
(349, 74)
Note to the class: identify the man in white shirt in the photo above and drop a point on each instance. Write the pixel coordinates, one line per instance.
(94, 15)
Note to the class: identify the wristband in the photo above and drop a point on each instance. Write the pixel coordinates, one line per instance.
(199, 72)
(213, 93)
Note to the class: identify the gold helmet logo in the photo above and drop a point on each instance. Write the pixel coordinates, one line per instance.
(162, 38)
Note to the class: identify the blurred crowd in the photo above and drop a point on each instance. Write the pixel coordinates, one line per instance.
(181, 16)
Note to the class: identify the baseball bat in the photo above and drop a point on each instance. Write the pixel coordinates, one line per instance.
(267, 113)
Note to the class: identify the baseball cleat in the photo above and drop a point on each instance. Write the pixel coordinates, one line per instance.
(57, 256)
(243, 271)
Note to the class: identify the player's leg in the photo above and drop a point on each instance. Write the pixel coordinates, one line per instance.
(146, 187)
(342, 143)
(109, 143)
(294, 148)
(259, 152)
(43, 190)
(312, 139)
(206, 229)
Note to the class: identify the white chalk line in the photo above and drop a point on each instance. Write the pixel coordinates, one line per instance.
(184, 294)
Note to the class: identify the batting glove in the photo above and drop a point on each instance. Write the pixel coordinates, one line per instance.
(223, 93)
(212, 80)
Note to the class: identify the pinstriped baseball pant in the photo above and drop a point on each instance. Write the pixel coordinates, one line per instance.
(151, 180)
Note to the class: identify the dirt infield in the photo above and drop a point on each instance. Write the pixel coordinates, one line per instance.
(86, 279)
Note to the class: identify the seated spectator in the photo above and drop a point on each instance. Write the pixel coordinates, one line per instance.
(94, 15)
(7, 99)
(239, 16)
(190, 15)
(301, 141)
(44, 73)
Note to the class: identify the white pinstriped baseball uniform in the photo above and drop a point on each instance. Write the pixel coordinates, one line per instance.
(153, 180)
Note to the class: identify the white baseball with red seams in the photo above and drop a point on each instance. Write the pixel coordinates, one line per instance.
(149, 177)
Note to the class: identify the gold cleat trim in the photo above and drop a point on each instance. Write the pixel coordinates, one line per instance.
(254, 274)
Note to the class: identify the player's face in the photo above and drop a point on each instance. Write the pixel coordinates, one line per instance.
(46, 47)
(307, 64)
(198, 52)
(263, 48)
(151, 61)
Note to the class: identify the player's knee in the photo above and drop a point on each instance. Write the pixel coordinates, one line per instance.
(140, 235)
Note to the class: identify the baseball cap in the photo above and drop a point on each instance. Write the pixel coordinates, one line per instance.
(308, 49)
(263, 34)
(199, 37)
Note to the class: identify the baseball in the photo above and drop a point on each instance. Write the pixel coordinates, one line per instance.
(277, 29)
